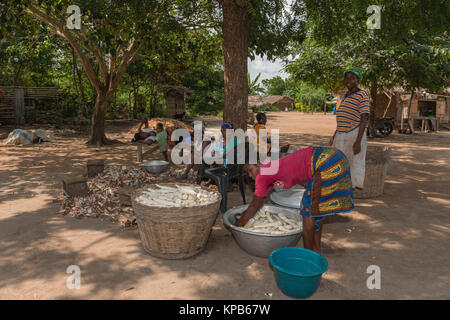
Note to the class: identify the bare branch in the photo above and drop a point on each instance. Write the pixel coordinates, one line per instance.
(59, 29)
(95, 50)
(128, 58)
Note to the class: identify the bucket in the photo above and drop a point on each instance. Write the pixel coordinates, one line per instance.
(297, 271)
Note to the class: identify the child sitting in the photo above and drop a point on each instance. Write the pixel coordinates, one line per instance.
(261, 125)
(161, 138)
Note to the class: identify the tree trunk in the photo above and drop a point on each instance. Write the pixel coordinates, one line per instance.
(410, 102)
(98, 137)
(78, 84)
(135, 102)
(372, 116)
(83, 96)
(411, 129)
(235, 30)
(17, 76)
(130, 113)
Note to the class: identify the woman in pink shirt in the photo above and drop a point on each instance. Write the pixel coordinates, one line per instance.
(329, 186)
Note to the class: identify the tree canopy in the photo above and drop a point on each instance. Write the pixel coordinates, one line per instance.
(402, 53)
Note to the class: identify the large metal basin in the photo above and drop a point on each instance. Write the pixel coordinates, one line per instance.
(154, 166)
(257, 244)
(288, 198)
(297, 187)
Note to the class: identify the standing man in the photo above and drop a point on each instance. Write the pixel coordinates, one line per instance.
(352, 116)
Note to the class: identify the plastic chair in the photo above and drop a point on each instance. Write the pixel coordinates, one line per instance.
(222, 176)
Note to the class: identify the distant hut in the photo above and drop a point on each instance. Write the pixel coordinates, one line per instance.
(175, 100)
(284, 103)
(255, 102)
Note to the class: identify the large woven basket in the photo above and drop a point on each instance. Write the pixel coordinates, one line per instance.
(174, 233)
(377, 162)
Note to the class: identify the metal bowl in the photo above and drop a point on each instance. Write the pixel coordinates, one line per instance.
(288, 198)
(258, 244)
(297, 187)
(154, 166)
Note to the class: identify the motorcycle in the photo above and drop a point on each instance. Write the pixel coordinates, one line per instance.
(384, 125)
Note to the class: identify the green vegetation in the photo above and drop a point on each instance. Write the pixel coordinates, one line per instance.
(114, 66)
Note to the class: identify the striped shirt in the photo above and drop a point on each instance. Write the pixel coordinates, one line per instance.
(348, 114)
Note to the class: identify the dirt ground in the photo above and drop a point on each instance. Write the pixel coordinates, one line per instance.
(405, 232)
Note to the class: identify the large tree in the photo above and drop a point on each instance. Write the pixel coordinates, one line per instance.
(253, 27)
(248, 28)
(110, 36)
(401, 53)
(275, 86)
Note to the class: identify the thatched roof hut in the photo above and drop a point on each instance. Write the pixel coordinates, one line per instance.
(255, 101)
(281, 102)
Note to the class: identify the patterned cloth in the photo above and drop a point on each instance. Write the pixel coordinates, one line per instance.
(344, 141)
(348, 114)
(227, 125)
(336, 192)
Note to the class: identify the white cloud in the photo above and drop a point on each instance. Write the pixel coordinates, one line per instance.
(267, 68)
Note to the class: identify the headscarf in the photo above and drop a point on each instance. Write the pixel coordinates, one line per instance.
(356, 71)
(227, 125)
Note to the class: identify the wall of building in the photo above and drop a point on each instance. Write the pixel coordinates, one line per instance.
(397, 107)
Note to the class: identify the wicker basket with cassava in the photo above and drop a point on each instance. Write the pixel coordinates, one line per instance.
(175, 219)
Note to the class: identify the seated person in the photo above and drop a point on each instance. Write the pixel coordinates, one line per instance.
(161, 139)
(223, 146)
(199, 146)
(261, 125)
(171, 143)
(144, 134)
(209, 148)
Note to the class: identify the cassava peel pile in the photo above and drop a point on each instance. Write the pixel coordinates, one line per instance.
(104, 199)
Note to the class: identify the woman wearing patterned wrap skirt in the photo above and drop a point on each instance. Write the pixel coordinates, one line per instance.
(329, 186)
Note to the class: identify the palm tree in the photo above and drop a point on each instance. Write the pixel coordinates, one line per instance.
(253, 86)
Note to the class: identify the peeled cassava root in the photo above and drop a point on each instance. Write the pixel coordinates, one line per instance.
(179, 196)
(272, 223)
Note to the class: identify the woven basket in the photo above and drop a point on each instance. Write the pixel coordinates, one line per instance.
(377, 162)
(174, 233)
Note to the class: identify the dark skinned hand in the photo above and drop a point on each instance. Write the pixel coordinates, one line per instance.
(254, 206)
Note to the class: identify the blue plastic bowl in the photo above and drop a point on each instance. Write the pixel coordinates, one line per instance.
(298, 271)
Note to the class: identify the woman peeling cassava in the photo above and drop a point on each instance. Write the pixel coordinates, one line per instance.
(329, 187)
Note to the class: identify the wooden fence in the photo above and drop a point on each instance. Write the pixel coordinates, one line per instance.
(16, 100)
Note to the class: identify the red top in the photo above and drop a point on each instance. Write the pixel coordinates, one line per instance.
(293, 169)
